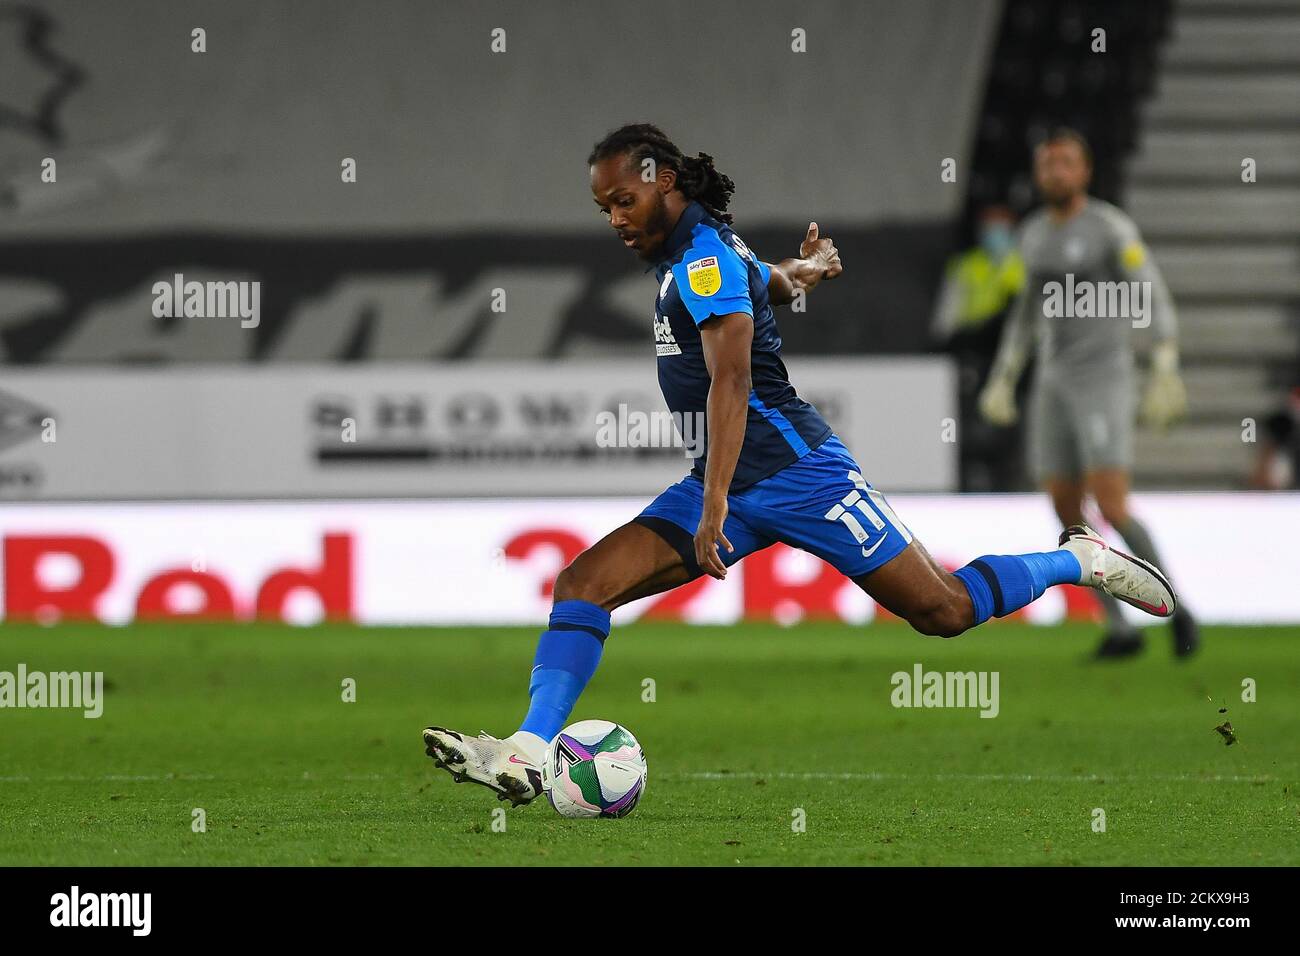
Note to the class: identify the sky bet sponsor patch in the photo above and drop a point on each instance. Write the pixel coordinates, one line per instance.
(704, 276)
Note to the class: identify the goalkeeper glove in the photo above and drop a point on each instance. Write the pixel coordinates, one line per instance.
(997, 403)
(1166, 397)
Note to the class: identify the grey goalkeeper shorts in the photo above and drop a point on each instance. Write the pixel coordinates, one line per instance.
(1077, 428)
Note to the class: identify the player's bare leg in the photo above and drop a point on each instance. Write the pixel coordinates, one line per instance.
(922, 592)
(1067, 496)
(630, 562)
(1121, 639)
(938, 602)
(1110, 488)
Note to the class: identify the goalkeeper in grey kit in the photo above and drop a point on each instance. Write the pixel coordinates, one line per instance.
(1080, 254)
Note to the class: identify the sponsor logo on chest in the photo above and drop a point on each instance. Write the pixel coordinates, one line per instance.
(665, 343)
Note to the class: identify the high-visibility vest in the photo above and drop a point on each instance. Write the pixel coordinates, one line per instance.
(986, 287)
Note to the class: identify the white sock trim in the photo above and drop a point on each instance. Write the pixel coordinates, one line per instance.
(530, 745)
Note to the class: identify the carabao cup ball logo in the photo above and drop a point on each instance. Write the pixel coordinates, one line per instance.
(594, 768)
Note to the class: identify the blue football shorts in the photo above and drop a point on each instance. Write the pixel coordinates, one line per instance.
(820, 504)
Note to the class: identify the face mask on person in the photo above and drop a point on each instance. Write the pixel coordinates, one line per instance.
(997, 239)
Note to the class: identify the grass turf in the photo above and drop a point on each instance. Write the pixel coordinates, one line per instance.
(750, 723)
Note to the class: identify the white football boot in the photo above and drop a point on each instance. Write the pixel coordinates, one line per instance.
(1120, 575)
(496, 764)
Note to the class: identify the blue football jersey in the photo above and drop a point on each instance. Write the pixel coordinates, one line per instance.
(705, 271)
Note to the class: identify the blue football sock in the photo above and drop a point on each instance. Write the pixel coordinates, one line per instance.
(1002, 583)
(567, 656)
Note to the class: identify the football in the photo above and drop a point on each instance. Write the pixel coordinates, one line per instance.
(594, 768)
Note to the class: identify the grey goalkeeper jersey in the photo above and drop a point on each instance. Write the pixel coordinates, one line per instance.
(1089, 284)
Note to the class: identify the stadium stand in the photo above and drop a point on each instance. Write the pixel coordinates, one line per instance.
(234, 166)
(1229, 91)
(1182, 96)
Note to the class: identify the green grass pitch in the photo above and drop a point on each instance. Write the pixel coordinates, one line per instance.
(750, 723)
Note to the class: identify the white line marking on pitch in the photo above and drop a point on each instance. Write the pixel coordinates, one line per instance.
(1009, 777)
(719, 775)
(188, 777)
(112, 778)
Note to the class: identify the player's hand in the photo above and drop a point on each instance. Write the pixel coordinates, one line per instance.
(997, 403)
(1165, 400)
(821, 260)
(707, 537)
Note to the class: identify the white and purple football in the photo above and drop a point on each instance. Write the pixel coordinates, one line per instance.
(594, 768)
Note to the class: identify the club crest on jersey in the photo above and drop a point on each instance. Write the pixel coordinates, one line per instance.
(704, 276)
(668, 280)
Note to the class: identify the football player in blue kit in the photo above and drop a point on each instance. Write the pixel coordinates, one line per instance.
(770, 469)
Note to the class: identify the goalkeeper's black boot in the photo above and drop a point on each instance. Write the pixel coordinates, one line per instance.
(1187, 635)
(1119, 644)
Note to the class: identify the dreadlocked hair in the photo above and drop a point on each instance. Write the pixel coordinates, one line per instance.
(696, 176)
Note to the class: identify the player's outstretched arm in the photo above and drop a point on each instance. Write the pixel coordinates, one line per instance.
(818, 260)
(727, 341)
